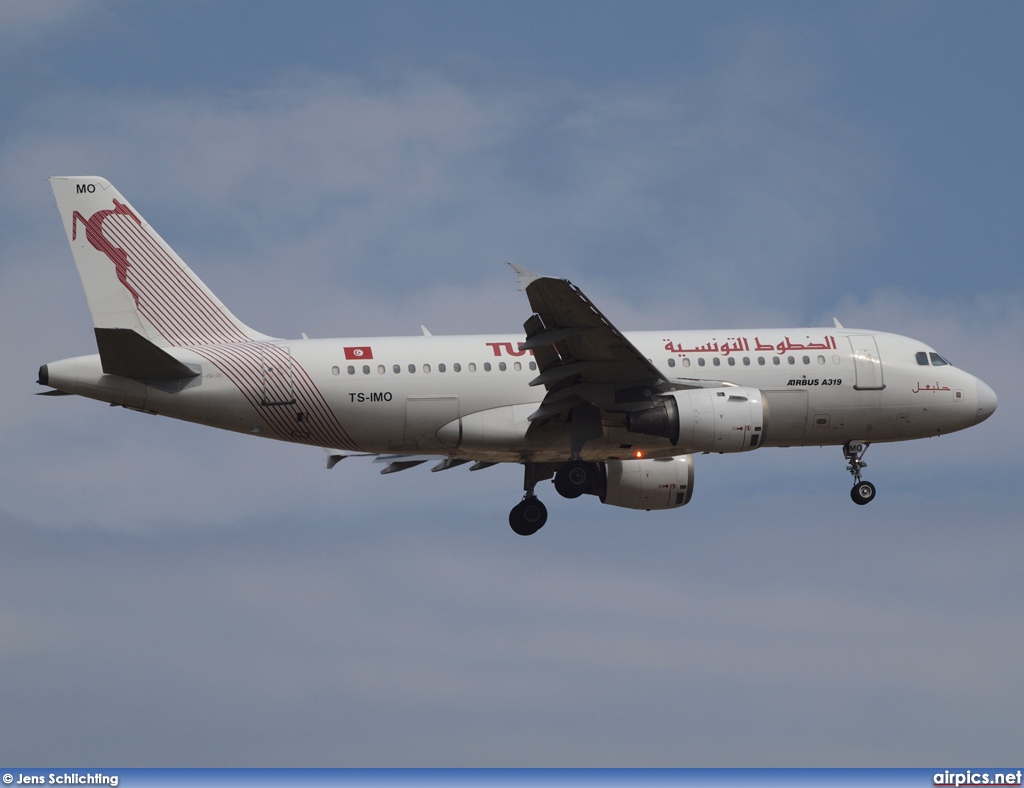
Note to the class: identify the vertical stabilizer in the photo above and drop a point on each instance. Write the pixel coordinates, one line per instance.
(132, 278)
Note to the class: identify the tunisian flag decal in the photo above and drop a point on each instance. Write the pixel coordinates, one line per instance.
(358, 353)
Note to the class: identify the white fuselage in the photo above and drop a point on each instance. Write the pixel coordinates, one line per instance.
(470, 396)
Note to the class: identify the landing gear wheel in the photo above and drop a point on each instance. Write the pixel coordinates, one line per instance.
(528, 516)
(862, 493)
(576, 478)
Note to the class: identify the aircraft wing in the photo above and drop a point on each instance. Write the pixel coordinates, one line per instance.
(571, 339)
(582, 358)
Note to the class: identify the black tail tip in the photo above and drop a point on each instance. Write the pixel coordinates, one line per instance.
(44, 376)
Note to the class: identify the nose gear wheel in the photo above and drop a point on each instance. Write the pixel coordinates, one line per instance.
(863, 492)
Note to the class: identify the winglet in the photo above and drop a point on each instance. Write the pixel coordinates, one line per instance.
(525, 275)
(836, 321)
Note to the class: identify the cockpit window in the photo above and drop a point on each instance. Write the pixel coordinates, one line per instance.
(922, 359)
(938, 361)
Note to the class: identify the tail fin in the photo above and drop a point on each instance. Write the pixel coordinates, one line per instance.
(132, 278)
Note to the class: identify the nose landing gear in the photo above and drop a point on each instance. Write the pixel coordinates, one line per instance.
(863, 492)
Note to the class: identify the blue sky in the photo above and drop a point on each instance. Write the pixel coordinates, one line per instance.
(199, 598)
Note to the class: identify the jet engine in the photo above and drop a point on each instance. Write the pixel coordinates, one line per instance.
(646, 484)
(727, 419)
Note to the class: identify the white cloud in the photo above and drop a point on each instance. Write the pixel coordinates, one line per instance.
(23, 22)
(620, 643)
(703, 193)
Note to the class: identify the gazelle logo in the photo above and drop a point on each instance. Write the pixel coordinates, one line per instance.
(100, 242)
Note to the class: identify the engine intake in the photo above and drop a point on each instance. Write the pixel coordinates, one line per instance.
(647, 484)
(727, 419)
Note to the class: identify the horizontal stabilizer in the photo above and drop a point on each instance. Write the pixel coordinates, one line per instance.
(125, 352)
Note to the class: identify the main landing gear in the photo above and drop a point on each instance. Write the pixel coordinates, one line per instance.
(576, 478)
(529, 515)
(863, 492)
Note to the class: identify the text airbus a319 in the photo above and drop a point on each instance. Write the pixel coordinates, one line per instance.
(574, 399)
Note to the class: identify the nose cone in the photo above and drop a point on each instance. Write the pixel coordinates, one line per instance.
(987, 402)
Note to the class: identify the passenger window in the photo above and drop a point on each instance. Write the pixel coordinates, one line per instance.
(746, 361)
(686, 362)
(501, 366)
(366, 369)
(426, 368)
(456, 367)
(922, 359)
(775, 360)
(471, 366)
(441, 367)
(351, 370)
(807, 359)
(517, 366)
(381, 369)
(533, 366)
(335, 371)
(700, 362)
(732, 361)
(938, 361)
(716, 361)
(397, 369)
(671, 362)
(487, 366)
(412, 368)
(792, 360)
(821, 359)
(760, 361)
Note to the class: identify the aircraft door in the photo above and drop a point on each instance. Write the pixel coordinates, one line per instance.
(867, 363)
(278, 378)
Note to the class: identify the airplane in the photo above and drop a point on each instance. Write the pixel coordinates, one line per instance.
(572, 399)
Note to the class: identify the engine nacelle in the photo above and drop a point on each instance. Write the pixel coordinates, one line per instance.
(728, 419)
(647, 484)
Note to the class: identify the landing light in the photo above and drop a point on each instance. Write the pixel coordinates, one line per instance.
(639, 454)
